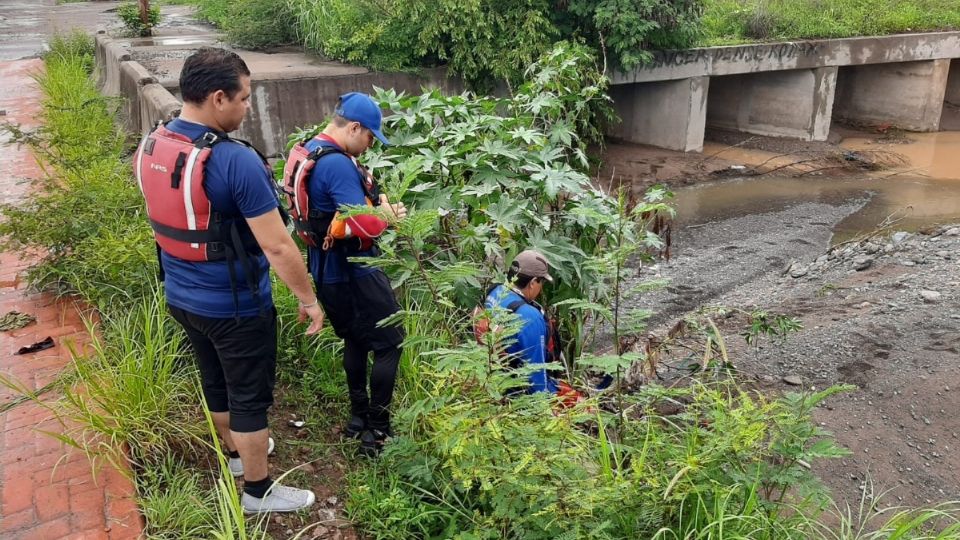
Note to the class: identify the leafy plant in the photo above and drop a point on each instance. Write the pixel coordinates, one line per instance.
(129, 13)
(253, 24)
(630, 29)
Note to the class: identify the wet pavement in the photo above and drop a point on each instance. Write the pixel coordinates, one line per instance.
(25, 24)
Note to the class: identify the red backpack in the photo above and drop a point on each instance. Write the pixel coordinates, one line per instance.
(312, 225)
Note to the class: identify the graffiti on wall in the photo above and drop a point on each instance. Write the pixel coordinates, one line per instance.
(747, 53)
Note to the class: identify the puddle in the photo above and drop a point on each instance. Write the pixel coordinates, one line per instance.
(925, 192)
(171, 41)
(936, 155)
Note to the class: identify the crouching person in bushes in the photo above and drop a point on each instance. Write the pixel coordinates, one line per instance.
(216, 217)
(535, 344)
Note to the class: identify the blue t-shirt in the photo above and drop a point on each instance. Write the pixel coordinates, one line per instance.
(334, 182)
(530, 343)
(237, 184)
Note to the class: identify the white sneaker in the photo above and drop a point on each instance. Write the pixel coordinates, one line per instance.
(278, 499)
(236, 466)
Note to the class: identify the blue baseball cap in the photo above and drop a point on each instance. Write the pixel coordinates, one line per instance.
(361, 108)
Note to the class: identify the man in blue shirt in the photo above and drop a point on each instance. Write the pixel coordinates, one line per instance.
(525, 279)
(356, 296)
(225, 306)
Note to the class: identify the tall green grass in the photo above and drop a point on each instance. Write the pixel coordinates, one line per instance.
(87, 214)
(731, 21)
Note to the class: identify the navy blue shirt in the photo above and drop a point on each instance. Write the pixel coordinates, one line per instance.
(530, 343)
(237, 184)
(334, 182)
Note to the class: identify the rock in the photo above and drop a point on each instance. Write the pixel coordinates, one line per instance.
(862, 262)
(871, 248)
(955, 231)
(793, 380)
(908, 263)
(798, 271)
(822, 259)
(308, 468)
(888, 248)
(326, 515)
(943, 254)
(930, 297)
(332, 501)
(899, 237)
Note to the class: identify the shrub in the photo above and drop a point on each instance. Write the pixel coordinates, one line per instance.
(129, 13)
(88, 215)
(486, 41)
(254, 24)
(629, 29)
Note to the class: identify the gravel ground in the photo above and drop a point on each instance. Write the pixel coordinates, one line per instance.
(880, 313)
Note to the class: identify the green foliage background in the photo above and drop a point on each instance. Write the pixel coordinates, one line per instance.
(732, 21)
(490, 42)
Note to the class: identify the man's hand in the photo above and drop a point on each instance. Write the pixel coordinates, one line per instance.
(398, 209)
(315, 312)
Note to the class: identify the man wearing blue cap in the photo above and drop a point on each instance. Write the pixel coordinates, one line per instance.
(356, 296)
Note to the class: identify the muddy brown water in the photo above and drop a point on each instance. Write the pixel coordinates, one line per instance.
(925, 191)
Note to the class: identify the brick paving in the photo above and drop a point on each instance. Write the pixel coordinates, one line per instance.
(48, 491)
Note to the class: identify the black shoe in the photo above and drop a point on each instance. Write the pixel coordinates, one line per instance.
(354, 427)
(372, 441)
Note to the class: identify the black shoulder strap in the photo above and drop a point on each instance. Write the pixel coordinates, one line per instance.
(512, 306)
(322, 151)
(515, 305)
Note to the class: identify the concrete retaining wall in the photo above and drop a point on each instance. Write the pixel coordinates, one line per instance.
(782, 89)
(133, 77)
(289, 90)
(279, 107)
(713, 61)
(109, 55)
(908, 95)
(156, 104)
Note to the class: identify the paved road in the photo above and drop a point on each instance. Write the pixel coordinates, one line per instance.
(26, 24)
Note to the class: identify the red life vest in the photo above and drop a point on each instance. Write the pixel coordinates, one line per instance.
(312, 225)
(170, 170)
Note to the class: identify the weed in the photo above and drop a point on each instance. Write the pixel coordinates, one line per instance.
(129, 13)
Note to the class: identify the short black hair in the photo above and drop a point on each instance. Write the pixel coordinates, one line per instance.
(514, 276)
(211, 69)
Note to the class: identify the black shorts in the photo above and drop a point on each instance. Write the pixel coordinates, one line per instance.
(238, 362)
(354, 308)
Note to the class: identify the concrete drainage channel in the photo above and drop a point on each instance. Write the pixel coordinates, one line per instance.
(792, 90)
(290, 89)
